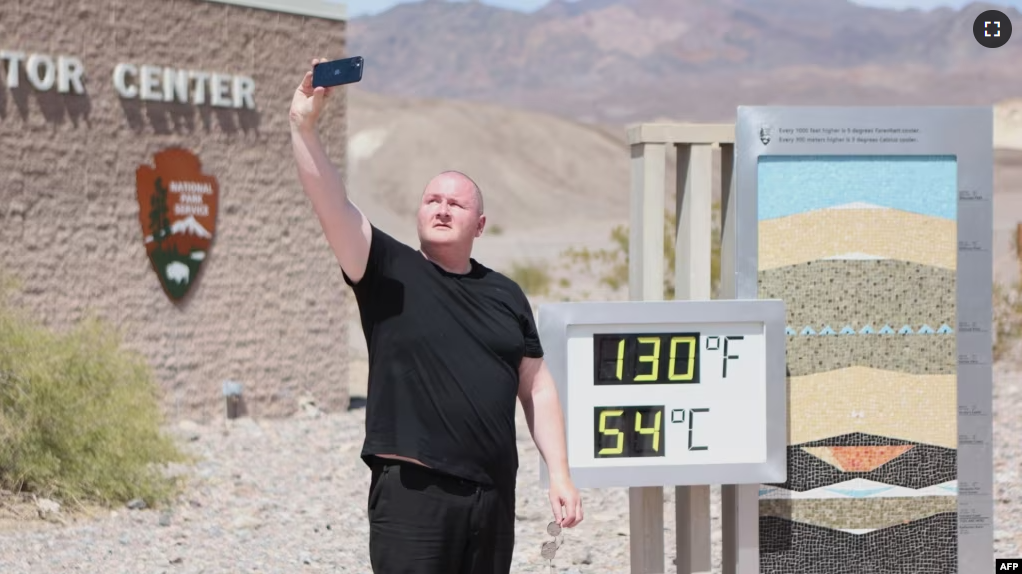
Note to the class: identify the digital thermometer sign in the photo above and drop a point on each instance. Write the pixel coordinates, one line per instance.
(670, 392)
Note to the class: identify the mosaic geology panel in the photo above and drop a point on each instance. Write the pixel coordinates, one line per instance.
(863, 251)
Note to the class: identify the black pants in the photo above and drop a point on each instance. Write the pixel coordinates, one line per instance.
(425, 522)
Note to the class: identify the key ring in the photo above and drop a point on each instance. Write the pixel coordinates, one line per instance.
(549, 549)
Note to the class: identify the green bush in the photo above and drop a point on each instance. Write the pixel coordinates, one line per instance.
(533, 278)
(79, 416)
(612, 264)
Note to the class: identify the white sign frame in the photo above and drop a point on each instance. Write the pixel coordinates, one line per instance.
(556, 322)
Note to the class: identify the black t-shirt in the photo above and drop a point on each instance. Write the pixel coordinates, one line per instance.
(444, 352)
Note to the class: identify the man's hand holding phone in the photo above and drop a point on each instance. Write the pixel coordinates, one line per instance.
(317, 85)
(308, 101)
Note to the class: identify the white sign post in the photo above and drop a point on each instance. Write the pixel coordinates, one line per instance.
(672, 393)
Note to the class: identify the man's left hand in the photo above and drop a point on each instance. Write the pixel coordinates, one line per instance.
(565, 502)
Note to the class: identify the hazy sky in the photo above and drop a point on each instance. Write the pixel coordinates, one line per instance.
(362, 7)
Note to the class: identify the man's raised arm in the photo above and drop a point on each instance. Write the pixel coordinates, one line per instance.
(347, 230)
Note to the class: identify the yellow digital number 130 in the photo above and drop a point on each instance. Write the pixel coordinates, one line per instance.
(654, 359)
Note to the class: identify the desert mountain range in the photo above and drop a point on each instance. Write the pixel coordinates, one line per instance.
(619, 61)
(534, 106)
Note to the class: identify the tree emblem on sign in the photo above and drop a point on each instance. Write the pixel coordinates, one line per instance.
(177, 212)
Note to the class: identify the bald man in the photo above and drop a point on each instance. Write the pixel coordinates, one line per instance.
(452, 346)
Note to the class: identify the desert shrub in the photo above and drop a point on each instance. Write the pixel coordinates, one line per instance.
(496, 229)
(1007, 326)
(611, 265)
(533, 278)
(79, 415)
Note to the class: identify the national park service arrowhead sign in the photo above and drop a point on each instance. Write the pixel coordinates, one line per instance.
(177, 209)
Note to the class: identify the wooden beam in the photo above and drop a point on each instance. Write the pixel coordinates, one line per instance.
(646, 283)
(681, 133)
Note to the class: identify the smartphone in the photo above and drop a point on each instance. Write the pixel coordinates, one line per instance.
(337, 72)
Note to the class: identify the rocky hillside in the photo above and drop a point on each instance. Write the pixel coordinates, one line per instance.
(620, 61)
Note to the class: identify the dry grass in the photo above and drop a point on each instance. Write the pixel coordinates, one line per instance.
(533, 277)
(1007, 318)
(1007, 311)
(611, 265)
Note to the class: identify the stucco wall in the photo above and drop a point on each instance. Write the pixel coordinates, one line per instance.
(269, 308)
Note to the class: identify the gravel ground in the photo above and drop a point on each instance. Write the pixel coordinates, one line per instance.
(289, 496)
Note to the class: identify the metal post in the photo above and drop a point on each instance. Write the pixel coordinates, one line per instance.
(739, 502)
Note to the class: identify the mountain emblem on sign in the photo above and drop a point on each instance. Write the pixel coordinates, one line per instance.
(177, 211)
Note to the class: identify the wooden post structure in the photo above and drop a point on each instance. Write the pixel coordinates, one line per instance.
(646, 283)
(694, 144)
